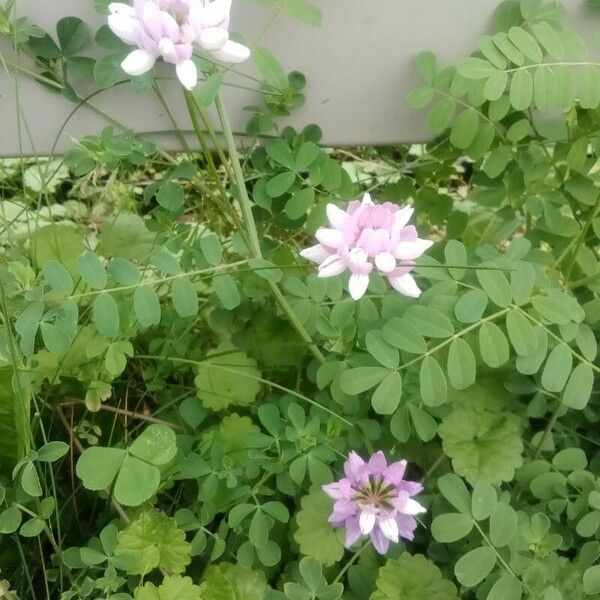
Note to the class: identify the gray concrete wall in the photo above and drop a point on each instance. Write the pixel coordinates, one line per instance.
(359, 65)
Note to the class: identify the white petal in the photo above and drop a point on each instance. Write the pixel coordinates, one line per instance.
(332, 238)
(188, 74)
(121, 8)
(403, 216)
(337, 217)
(332, 266)
(405, 284)
(411, 250)
(366, 522)
(316, 254)
(212, 38)
(232, 52)
(412, 507)
(389, 528)
(367, 199)
(124, 27)
(358, 286)
(385, 262)
(138, 62)
(216, 12)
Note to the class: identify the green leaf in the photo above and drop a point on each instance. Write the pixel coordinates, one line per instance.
(72, 34)
(429, 321)
(591, 580)
(173, 587)
(280, 184)
(440, 116)
(483, 445)
(451, 527)
(507, 48)
(303, 11)
(526, 43)
(464, 128)
(146, 305)
(420, 97)
(503, 525)
(315, 536)
(558, 368)
(156, 445)
(489, 50)
(106, 315)
(270, 68)
(279, 150)
(359, 380)
(227, 291)
(471, 306)
(570, 459)
(493, 345)
(508, 587)
(229, 377)
(45, 47)
(386, 398)
(461, 364)
(476, 68)
(427, 67)
(170, 196)
(381, 351)
(453, 488)
(27, 325)
(107, 71)
(97, 467)
(425, 425)
(297, 206)
(52, 451)
(258, 533)
(412, 578)
(495, 86)
(92, 270)
(521, 90)
(58, 277)
(265, 269)
(30, 481)
(475, 566)
(208, 89)
(495, 284)
(483, 501)
(232, 582)
(153, 541)
(520, 333)
(10, 520)
(432, 382)
(579, 387)
(185, 297)
(55, 340)
(61, 243)
(401, 334)
(589, 87)
(549, 38)
(126, 237)
(553, 308)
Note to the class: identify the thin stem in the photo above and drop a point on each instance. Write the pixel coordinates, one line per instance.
(355, 556)
(548, 430)
(254, 243)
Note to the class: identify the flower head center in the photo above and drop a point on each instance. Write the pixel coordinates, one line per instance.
(376, 493)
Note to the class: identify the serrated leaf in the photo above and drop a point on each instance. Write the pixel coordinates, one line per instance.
(173, 587)
(232, 582)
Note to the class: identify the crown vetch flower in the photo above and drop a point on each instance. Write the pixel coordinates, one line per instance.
(367, 237)
(170, 29)
(374, 499)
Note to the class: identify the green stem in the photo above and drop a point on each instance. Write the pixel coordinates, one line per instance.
(350, 562)
(254, 243)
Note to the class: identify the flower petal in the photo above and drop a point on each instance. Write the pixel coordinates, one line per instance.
(389, 528)
(124, 27)
(412, 507)
(212, 38)
(187, 74)
(406, 285)
(358, 286)
(337, 217)
(332, 238)
(316, 254)
(366, 522)
(217, 13)
(411, 250)
(232, 53)
(385, 262)
(380, 542)
(402, 217)
(395, 472)
(352, 532)
(367, 200)
(138, 62)
(331, 266)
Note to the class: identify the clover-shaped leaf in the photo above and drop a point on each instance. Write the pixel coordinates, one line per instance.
(134, 471)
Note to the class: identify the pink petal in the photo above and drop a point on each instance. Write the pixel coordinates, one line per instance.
(353, 466)
(138, 62)
(337, 217)
(232, 53)
(380, 542)
(358, 286)
(187, 74)
(352, 532)
(332, 238)
(385, 262)
(377, 463)
(406, 285)
(411, 250)
(395, 472)
(402, 217)
(331, 266)
(406, 526)
(316, 254)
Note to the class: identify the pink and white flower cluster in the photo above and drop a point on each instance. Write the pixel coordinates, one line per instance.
(369, 237)
(375, 500)
(171, 29)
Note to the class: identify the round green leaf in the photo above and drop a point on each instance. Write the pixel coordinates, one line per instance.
(475, 566)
